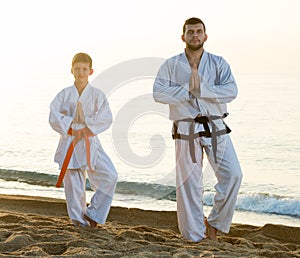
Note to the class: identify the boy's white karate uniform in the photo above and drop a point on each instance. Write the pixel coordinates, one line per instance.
(217, 88)
(103, 179)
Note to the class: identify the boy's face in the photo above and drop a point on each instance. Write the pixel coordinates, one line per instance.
(81, 71)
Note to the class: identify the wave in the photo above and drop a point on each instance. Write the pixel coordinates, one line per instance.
(263, 203)
(28, 177)
(267, 203)
(256, 202)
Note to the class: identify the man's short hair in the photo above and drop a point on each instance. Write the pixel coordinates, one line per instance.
(82, 57)
(193, 21)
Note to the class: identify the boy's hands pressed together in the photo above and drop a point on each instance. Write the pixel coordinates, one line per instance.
(79, 116)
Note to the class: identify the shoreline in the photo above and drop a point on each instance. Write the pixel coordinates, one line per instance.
(39, 226)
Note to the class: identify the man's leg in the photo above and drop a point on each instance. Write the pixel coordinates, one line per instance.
(189, 191)
(229, 177)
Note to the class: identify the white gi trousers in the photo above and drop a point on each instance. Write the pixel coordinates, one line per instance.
(103, 181)
(189, 185)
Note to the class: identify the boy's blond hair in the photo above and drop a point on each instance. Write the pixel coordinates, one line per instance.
(82, 57)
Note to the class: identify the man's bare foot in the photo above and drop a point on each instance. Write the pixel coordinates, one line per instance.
(93, 224)
(211, 231)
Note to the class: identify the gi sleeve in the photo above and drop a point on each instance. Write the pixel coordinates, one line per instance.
(224, 88)
(58, 120)
(168, 91)
(101, 120)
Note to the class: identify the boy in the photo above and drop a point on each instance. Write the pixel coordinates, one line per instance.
(78, 113)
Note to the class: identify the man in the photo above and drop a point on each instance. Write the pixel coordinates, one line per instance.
(197, 85)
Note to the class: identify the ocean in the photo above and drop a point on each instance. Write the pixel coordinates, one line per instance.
(265, 121)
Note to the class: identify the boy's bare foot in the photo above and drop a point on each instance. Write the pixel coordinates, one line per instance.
(93, 224)
(77, 224)
(211, 231)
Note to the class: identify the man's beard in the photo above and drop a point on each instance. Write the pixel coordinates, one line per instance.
(194, 48)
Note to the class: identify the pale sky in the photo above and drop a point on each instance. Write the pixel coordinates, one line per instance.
(40, 37)
(252, 35)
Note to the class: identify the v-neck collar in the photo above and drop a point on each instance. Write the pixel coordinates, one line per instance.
(202, 60)
(83, 92)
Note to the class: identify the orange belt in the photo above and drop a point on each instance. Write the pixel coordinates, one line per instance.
(78, 135)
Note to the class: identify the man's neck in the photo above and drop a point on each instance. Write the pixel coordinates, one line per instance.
(194, 57)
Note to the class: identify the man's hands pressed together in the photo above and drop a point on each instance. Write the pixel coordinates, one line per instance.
(195, 81)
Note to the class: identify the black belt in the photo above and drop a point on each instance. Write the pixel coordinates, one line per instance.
(213, 134)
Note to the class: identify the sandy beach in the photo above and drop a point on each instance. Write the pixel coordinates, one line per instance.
(37, 226)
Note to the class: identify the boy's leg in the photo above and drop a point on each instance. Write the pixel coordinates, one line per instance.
(189, 191)
(74, 184)
(103, 181)
(229, 176)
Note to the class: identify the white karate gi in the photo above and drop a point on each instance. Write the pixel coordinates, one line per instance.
(103, 179)
(217, 87)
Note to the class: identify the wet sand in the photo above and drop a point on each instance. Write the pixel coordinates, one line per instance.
(37, 226)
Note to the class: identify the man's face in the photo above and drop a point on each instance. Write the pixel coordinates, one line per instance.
(81, 71)
(194, 36)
